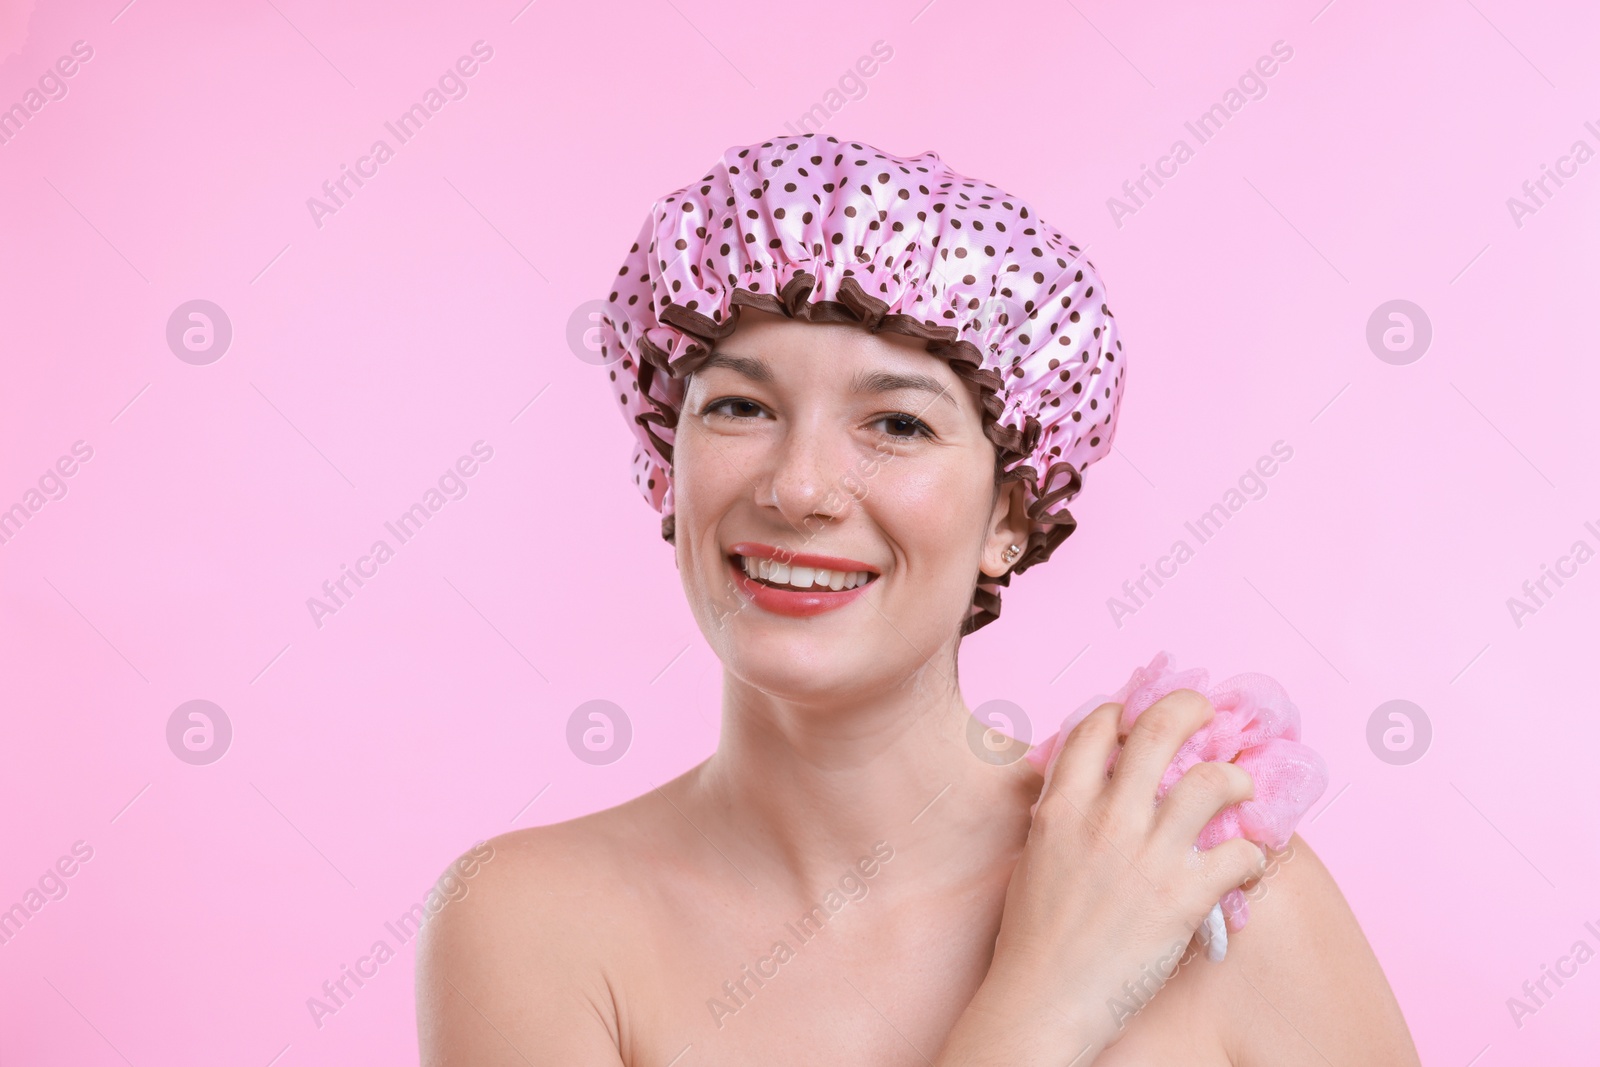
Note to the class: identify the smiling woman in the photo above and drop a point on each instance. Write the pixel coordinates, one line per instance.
(863, 388)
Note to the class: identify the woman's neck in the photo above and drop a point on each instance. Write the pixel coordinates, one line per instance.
(804, 789)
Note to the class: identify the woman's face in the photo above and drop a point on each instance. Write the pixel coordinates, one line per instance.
(801, 440)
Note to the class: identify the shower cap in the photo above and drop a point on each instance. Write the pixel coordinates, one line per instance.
(824, 230)
(1257, 728)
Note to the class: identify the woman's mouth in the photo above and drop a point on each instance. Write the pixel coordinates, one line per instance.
(770, 572)
(793, 588)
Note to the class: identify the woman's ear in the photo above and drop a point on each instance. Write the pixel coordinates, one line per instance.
(1008, 525)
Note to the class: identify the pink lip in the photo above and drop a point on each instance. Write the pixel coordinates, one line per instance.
(757, 550)
(793, 602)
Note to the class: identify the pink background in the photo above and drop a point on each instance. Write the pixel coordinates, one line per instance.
(369, 353)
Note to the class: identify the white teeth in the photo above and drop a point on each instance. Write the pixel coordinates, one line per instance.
(802, 577)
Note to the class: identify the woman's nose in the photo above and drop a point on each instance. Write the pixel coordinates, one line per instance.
(807, 476)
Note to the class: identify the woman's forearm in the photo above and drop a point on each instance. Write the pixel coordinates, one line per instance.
(1007, 1024)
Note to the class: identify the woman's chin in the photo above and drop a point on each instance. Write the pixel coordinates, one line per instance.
(805, 667)
(827, 655)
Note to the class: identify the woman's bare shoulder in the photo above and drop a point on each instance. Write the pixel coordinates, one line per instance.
(530, 882)
(1300, 984)
(523, 952)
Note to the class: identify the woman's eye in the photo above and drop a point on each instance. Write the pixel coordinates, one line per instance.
(734, 407)
(905, 426)
(896, 424)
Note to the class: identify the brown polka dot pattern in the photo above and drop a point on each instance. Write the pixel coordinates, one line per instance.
(825, 230)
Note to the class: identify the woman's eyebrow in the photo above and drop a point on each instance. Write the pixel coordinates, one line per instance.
(889, 381)
(757, 370)
(750, 366)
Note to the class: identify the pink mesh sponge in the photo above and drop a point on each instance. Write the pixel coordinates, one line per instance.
(1255, 727)
(824, 230)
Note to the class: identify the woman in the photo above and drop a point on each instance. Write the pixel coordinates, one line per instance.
(847, 879)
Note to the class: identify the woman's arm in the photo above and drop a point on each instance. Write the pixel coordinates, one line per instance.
(507, 976)
(1300, 985)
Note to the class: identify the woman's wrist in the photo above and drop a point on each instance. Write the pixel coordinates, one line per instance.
(1012, 1022)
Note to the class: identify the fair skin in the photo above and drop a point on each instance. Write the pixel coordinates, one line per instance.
(987, 935)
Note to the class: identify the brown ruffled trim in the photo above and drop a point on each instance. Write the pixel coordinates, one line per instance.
(1013, 447)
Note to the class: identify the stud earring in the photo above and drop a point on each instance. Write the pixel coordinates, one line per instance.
(1012, 553)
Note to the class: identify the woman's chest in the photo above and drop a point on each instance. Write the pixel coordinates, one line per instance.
(871, 981)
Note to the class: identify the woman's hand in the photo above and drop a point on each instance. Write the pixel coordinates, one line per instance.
(1107, 893)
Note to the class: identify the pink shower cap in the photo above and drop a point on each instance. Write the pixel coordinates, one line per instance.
(1255, 727)
(828, 231)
